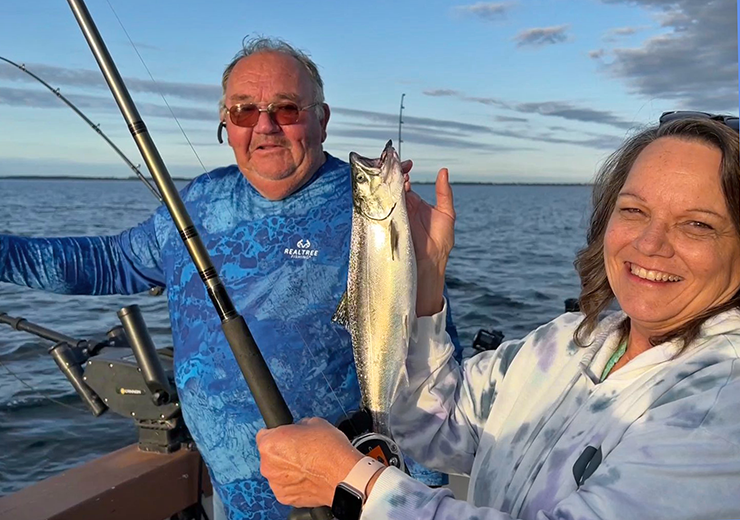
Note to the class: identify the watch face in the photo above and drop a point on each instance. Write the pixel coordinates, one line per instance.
(347, 504)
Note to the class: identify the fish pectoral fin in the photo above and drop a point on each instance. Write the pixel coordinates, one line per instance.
(341, 315)
(393, 238)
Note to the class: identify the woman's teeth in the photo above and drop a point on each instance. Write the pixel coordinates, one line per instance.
(653, 276)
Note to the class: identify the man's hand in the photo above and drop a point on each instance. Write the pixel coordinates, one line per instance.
(304, 462)
(433, 233)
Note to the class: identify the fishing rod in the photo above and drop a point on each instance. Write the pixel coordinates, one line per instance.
(400, 122)
(95, 127)
(267, 396)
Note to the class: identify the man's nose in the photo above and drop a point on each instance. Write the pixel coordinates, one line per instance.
(266, 124)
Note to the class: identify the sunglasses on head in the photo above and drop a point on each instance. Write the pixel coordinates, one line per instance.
(731, 121)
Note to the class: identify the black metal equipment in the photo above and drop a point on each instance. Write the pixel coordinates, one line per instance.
(572, 305)
(112, 374)
(487, 340)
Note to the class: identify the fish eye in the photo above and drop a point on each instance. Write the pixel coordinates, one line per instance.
(361, 178)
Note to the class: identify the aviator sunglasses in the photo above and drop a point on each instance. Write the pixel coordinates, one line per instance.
(731, 121)
(246, 115)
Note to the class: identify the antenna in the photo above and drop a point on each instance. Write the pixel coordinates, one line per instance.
(400, 122)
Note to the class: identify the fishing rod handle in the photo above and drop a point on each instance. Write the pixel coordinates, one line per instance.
(24, 325)
(70, 367)
(142, 345)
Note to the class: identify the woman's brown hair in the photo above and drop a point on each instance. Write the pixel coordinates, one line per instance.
(596, 293)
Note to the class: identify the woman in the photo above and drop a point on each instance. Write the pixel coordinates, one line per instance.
(634, 414)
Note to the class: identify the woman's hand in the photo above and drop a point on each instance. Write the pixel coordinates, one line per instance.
(304, 462)
(433, 233)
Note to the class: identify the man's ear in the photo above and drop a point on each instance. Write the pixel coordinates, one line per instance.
(325, 121)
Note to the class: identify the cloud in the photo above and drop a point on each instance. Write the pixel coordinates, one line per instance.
(540, 36)
(618, 32)
(83, 78)
(574, 113)
(562, 109)
(427, 138)
(489, 11)
(441, 92)
(597, 54)
(454, 134)
(694, 64)
(12, 166)
(44, 99)
(509, 119)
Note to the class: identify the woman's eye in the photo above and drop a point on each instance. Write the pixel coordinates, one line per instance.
(700, 226)
(630, 211)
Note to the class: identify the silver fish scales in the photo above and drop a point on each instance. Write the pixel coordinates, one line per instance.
(379, 306)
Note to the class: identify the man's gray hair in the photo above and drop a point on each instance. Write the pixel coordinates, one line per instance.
(259, 44)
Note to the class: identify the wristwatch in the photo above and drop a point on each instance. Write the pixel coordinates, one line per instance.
(349, 496)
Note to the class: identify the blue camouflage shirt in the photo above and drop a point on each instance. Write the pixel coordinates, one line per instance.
(284, 264)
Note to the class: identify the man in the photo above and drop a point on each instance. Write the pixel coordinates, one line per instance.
(277, 226)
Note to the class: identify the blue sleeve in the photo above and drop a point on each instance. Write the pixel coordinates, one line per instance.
(452, 330)
(122, 264)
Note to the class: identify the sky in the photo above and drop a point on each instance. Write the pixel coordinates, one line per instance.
(515, 91)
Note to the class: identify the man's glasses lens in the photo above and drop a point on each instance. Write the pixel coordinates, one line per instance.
(248, 115)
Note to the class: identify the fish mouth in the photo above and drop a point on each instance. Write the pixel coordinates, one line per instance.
(369, 166)
(377, 219)
(375, 166)
(388, 151)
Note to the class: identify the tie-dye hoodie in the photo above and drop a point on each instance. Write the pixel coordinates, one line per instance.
(543, 438)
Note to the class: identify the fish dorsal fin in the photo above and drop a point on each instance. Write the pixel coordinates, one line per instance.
(341, 315)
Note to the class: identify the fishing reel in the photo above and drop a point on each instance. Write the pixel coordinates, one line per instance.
(357, 426)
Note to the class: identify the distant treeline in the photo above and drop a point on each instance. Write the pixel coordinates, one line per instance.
(79, 178)
(133, 178)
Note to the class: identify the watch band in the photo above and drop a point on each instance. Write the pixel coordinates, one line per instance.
(359, 477)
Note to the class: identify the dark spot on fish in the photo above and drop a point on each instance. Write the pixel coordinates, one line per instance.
(397, 500)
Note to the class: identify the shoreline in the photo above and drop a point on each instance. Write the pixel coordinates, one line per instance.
(186, 179)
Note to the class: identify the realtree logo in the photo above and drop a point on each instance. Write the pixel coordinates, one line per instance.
(302, 250)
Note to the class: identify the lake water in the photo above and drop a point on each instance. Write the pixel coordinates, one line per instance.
(511, 270)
